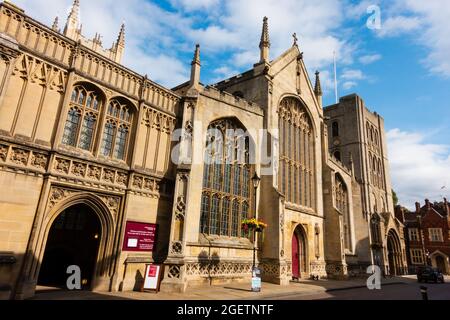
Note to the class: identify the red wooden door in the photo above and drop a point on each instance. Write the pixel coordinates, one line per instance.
(295, 257)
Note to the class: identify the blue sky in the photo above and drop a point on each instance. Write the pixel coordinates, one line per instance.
(401, 70)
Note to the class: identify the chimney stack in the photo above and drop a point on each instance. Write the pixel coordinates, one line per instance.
(417, 207)
(427, 204)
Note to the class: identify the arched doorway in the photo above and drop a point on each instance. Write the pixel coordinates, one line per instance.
(299, 254)
(73, 239)
(394, 254)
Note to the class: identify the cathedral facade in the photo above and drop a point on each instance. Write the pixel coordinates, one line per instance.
(90, 149)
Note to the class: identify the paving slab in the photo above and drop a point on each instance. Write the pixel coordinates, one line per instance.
(239, 291)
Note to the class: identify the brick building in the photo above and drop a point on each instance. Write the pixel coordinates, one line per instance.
(427, 235)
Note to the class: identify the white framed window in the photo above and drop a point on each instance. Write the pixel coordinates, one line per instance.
(413, 234)
(435, 235)
(416, 256)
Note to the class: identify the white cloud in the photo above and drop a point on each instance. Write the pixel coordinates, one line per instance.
(191, 5)
(349, 85)
(398, 25)
(149, 32)
(350, 74)
(369, 59)
(228, 31)
(418, 169)
(427, 24)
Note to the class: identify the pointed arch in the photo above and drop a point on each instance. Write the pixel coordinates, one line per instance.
(86, 103)
(297, 151)
(342, 204)
(107, 223)
(226, 195)
(120, 114)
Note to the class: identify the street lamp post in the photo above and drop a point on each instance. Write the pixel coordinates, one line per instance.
(255, 180)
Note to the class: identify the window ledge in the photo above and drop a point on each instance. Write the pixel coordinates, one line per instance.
(222, 242)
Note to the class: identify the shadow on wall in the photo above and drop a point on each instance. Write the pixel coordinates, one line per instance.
(8, 270)
(139, 281)
(358, 267)
(209, 262)
(163, 221)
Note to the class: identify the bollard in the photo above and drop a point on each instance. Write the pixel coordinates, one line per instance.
(424, 292)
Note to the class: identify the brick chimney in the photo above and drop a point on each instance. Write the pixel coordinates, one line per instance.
(417, 207)
(446, 207)
(427, 204)
(400, 213)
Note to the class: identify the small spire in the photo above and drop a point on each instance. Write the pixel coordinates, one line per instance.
(121, 38)
(318, 86)
(74, 12)
(265, 41)
(195, 69)
(55, 26)
(264, 44)
(71, 28)
(196, 59)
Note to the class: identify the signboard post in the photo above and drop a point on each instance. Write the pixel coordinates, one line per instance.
(139, 237)
(152, 279)
(256, 279)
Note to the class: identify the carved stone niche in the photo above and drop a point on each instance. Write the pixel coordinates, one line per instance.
(62, 165)
(39, 160)
(3, 152)
(79, 169)
(94, 172)
(20, 156)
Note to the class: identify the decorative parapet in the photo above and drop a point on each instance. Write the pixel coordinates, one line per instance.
(38, 39)
(228, 98)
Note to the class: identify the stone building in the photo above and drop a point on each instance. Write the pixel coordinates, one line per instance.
(89, 147)
(357, 139)
(427, 235)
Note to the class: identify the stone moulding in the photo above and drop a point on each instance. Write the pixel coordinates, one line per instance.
(59, 193)
(18, 158)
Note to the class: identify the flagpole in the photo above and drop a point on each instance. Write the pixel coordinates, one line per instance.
(335, 78)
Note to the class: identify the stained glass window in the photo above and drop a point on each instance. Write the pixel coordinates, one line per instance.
(81, 122)
(71, 128)
(116, 132)
(297, 172)
(227, 181)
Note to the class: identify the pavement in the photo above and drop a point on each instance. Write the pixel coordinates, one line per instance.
(303, 288)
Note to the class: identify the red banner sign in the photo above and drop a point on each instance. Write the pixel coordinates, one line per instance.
(139, 237)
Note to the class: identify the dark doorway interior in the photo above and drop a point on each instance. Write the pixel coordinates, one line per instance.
(440, 264)
(73, 239)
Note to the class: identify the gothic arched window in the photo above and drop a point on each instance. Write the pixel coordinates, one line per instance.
(342, 204)
(335, 129)
(297, 160)
(82, 118)
(375, 230)
(337, 155)
(226, 196)
(117, 130)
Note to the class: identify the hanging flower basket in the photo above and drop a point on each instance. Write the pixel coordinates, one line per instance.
(253, 225)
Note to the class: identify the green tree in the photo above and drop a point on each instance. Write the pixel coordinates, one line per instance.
(394, 198)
